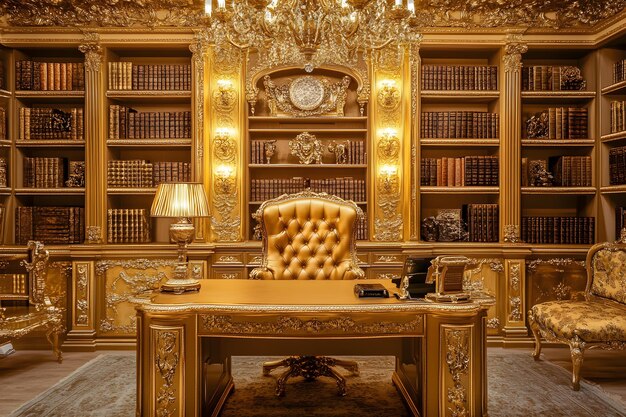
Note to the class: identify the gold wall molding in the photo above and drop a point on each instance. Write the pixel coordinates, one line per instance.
(415, 67)
(456, 342)
(556, 262)
(82, 304)
(285, 325)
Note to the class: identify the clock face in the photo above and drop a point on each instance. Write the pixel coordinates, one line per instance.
(306, 93)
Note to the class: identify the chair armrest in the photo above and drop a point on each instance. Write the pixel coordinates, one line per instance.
(261, 272)
(357, 271)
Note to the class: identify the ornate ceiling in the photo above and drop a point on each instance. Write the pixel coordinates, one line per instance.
(547, 14)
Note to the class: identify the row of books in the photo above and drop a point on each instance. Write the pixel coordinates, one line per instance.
(460, 77)
(13, 284)
(482, 222)
(559, 123)
(347, 188)
(49, 76)
(128, 123)
(571, 171)
(558, 230)
(618, 116)
(460, 124)
(138, 173)
(125, 75)
(460, 171)
(48, 123)
(619, 74)
(51, 225)
(620, 221)
(361, 228)
(4, 169)
(127, 226)
(617, 165)
(44, 172)
(3, 123)
(550, 78)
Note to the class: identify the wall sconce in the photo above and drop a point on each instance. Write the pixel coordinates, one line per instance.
(225, 95)
(217, 8)
(388, 145)
(224, 179)
(224, 145)
(388, 175)
(388, 95)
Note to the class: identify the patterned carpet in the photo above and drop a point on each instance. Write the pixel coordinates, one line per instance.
(518, 386)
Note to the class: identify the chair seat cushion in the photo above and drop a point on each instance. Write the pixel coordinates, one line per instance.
(593, 321)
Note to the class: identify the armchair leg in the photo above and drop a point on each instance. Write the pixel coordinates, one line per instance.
(577, 348)
(534, 327)
(53, 338)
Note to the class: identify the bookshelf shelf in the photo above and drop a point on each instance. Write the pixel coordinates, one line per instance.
(459, 190)
(558, 142)
(613, 137)
(152, 94)
(49, 94)
(308, 120)
(617, 88)
(5, 190)
(45, 143)
(5, 93)
(126, 191)
(149, 143)
(559, 190)
(5, 143)
(298, 166)
(559, 96)
(460, 142)
(314, 130)
(49, 191)
(435, 96)
(613, 189)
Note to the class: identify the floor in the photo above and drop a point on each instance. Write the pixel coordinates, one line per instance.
(26, 374)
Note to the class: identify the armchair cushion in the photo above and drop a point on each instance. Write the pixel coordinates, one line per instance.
(597, 320)
(609, 274)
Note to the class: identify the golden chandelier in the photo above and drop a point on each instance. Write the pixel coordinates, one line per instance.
(311, 31)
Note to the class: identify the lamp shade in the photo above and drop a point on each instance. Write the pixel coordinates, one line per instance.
(180, 199)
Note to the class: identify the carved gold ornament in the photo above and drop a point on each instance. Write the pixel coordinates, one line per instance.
(306, 96)
(224, 96)
(388, 95)
(458, 361)
(166, 361)
(307, 148)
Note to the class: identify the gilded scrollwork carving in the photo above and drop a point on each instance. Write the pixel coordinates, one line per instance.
(82, 294)
(290, 325)
(515, 305)
(531, 266)
(513, 54)
(493, 323)
(458, 361)
(166, 361)
(511, 233)
(94, 234)
(93, 52)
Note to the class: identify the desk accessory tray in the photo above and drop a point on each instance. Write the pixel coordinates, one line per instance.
(371, 290)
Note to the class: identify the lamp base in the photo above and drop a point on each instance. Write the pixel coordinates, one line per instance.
(179, 286)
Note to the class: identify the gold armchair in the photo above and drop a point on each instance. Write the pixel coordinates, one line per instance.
(308, 236)
(598, 321)
(17, 321)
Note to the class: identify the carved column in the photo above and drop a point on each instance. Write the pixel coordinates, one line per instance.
(415, 63)
(388, 131)
(510, 140)
(95, 146)
(82, 332)
(199, 55)
(515, 284)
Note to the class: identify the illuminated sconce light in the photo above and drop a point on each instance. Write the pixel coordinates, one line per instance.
(388, 175)
(388, 94)
(225, 96)
(224, 179)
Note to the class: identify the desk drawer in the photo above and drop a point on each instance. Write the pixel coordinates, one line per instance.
(377, 258)
(228, 259)
(228, 273)
(356, 325)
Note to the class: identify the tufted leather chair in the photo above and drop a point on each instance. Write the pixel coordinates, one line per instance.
(308, 236)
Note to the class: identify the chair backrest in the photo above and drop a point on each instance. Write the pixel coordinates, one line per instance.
(309, 236)
(606, 271)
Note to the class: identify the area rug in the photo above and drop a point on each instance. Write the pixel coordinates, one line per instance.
(518, 386)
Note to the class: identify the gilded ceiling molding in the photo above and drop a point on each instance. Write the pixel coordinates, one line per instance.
(549, 14)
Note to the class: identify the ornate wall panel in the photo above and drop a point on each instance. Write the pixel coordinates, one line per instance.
(554, 279)
(123, 279)
(225, 170)
(515, 283)
(57, 283)
(388, 129)
(456, 379)
(168, 356)
(485, 275)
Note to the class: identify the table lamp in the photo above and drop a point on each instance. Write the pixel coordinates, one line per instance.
(182, 200)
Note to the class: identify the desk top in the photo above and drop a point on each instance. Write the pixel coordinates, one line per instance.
(290, 295)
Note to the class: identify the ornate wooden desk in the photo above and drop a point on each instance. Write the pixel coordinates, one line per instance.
(185, 342)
